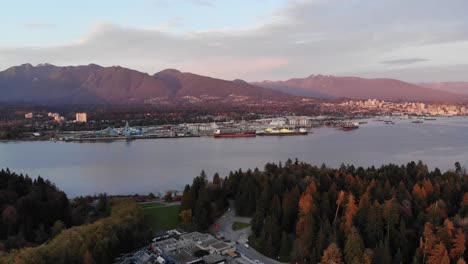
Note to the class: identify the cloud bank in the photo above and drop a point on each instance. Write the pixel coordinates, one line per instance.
(388, 38)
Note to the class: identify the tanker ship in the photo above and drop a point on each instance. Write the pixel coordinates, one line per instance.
(233, 133)
(282, 132)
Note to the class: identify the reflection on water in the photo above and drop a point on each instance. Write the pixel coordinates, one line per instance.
(144, 166)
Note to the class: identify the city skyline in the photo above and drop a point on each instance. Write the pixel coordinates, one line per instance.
(268, 39)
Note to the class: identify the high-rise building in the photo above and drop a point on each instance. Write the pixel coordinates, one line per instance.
(58, 118)
(81, 117)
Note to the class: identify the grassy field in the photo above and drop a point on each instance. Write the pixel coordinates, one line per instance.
(239, 225)
(150, 204)
(159, 217)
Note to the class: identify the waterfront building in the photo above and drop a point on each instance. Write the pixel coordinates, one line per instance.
(300, 121)
(202, 127)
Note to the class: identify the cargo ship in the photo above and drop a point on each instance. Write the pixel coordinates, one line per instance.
(348, 126)
(417, 122)
(282, 132)
(233, 134)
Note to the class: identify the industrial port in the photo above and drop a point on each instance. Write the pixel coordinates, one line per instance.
(263, 127)
(281, 126)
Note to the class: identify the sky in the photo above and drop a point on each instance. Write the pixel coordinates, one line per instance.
(254, 40)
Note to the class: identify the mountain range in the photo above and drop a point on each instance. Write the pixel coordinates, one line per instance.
(329, 87)
(94, 84)
(453, 87)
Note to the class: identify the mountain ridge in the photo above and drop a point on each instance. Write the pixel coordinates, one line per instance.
(331, 87)
(453, 87)
(94, 84)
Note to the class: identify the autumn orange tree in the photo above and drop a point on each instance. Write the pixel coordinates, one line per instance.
(458, 248)
(438, 255)
(387, 214)
(332, 255)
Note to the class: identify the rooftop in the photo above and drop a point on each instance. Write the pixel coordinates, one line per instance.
(183, 257)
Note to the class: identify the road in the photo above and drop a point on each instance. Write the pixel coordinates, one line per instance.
(240, 237)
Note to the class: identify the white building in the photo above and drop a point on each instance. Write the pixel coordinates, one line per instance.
(81, 117)
(299, 121)
(28, 115)
(202, 127)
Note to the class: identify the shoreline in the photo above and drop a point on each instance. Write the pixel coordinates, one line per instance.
(333, 124)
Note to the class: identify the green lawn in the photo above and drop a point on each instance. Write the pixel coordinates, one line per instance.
(161, 217)
(150, 204)
(239, 225)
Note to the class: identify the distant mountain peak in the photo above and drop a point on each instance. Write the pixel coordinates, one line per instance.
(170, 71)
(25, 65)
(45, 65)
(240, 81)
(93, 65)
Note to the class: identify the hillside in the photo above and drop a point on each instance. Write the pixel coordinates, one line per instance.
(322, 86)
(453, 87)
(93, 84)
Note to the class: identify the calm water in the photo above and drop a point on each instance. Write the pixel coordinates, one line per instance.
(144, 166)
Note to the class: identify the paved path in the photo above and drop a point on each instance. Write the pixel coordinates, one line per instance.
(240, 237)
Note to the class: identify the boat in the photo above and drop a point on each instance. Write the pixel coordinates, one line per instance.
(363, 122)
(430, 119)
(417, 121)
(348, 126)
(233, 134)
(282, 132)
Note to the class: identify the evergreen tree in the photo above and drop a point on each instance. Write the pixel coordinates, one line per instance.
(276, 210)
(390, 214)
(374, 225)
(216, 179)
(382, 254)
(202, 212)
(290, 209)
(285, 248)
(354, 247)
(187, 201)
(246, 197)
